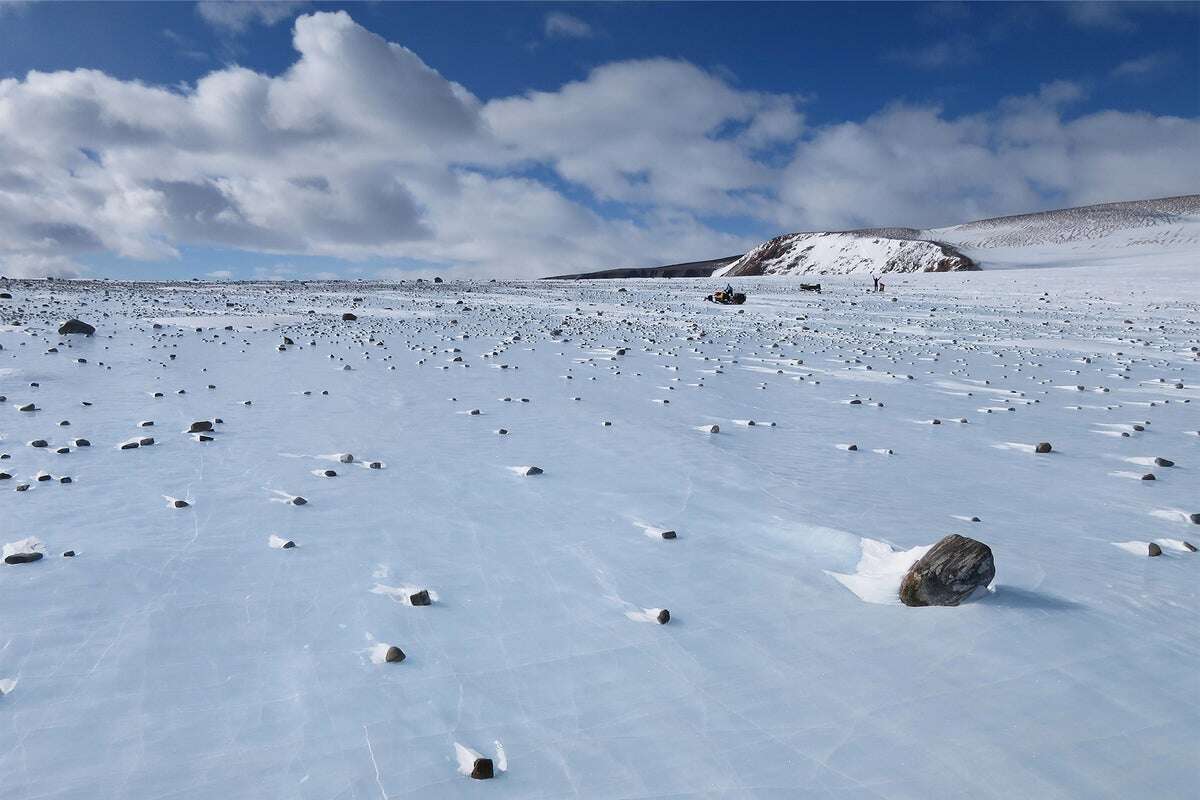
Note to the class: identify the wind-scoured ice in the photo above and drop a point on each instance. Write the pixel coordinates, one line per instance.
(186, 653)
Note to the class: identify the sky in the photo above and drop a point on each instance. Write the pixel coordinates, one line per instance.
(392, 140)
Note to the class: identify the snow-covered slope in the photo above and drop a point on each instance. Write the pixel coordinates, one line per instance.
(845, 253)
(1162, 230)
(1165, 231)
(186, 653)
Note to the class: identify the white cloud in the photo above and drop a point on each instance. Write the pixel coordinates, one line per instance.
(955, 51)
(1146, 65)
(657, 131)
(565, 26)
(235, 16)
(220, 274)
(361, 151)
(912, 165)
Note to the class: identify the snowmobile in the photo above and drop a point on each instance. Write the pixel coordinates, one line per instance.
(727, 298)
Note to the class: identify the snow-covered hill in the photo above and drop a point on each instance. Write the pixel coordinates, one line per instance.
(1165, 230)
(847, 252)
(1162, 230)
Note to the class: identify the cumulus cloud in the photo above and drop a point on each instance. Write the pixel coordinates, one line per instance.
(913, 165)
(655, 131)
(359, 150)
(565, 26)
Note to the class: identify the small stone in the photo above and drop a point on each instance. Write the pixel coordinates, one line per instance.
(482, 770)
(1154, 550)
(1194, 518)
(1042, 447)
(394, 655)
(668, 534)
(200, 426)
(532, 471)
(1149, 476)
(1163, 462)
(65, 479)
(23, 558)
(82, 443)
(348, 317)
(502, 432)
(663, 616)
(180, 503)
(299, 501)
(39, 443)
(146, 441)
(1191, 548)
(420, 598)
(375, 465)
(288, 545)
(329, 473)
(69, 554)
(129, 445)
(346, 458)
(27, 407)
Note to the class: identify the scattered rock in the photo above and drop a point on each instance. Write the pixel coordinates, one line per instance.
(663, 616)
(394, 655)
(1154, 550)
(420, 598)
(75, 326)
(483, 769)
(69, 554)
(348, 317)
(1042, 447)
(1191, 548)
(1163, 462)
(200, 426)
(948, 574)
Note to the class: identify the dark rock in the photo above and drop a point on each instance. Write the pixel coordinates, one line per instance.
(420, 598)
(39, 443)
(346, 458)
(200, 426)
(1149, 476)
(180, 503)
(1154, 550)
(69, 554)
(533, 471)
(329, 473)
(348, 317)
(1194, 518)
(668, 534)
(65, 479)
(663, 617)
(482, 770)
(299, 501)
(394, 655)
(288, 545)
(946, 575)
(22, 558)
(76, 326)
(1043, 447)
(1191, 548)
(375, 465)
(1163, 462)
(82, 443)
(27, 407)
(146, 441)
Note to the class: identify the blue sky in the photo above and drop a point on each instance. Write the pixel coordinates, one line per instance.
(580, 135)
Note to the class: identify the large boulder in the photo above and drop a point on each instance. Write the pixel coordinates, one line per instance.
(948, 574)
(76, 326)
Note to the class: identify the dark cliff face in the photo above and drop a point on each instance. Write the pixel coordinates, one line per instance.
(691, 269)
